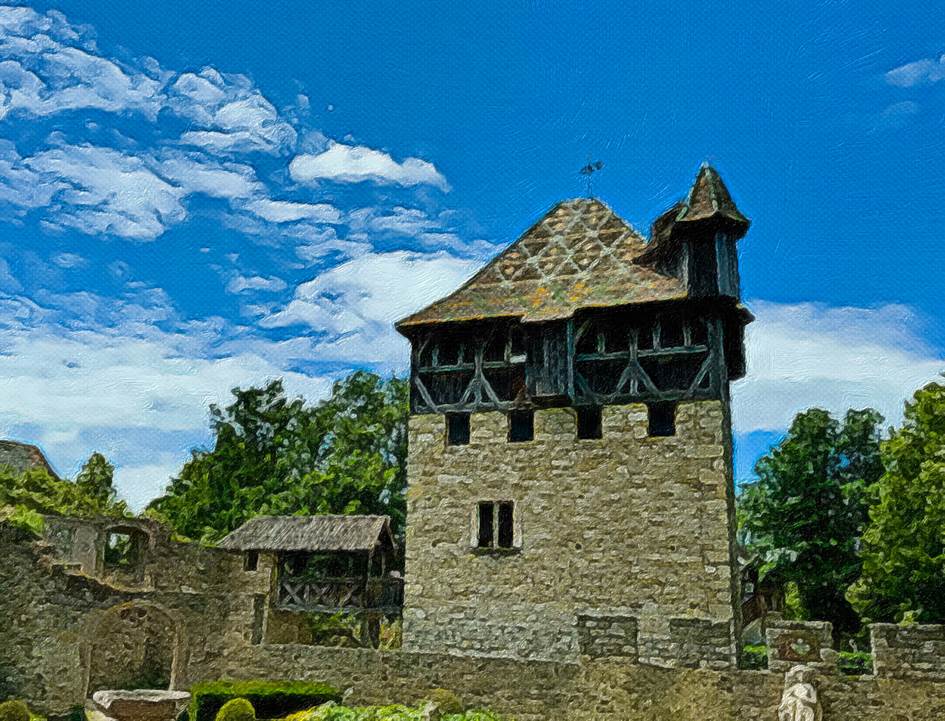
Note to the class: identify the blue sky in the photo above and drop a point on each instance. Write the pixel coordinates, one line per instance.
(223, 192)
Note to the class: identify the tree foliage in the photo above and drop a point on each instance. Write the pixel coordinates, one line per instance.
(25, 495)
(808, 509)
(276, 455)
(904, 546)
(96, 479)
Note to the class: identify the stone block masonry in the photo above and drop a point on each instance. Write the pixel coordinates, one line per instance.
(627, 525)
(791, 643)
(908, 651)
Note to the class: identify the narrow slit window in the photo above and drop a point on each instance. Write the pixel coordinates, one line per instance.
(457, 429)
(486, 537)
(662, 419)
(506, 525)
(589, 422)
(251, 561)
(517, 348)
(521, 426)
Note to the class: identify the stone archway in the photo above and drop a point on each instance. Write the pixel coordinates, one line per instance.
(132, 645)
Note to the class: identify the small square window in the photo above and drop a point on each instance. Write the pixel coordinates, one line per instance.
(662, 418)
(495, 524)
(521, 426)
(589, 422)
(251, 561)
(457, 429)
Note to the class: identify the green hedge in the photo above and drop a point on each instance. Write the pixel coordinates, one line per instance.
(271, 699)
(855, 663)
(754, 656)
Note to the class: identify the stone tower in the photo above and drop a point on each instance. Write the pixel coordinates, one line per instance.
(570, 463)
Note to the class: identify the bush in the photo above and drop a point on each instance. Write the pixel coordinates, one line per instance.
(446, 701)
(14, 711)
(271, 699)
(237, 709)
(754, 657)
(855, 663)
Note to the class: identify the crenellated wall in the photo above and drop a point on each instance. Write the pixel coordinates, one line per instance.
(200, 617)
(627, 525)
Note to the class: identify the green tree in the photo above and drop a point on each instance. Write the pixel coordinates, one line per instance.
(808, 509)
(96, 478)
(904, 544)
(275, 455)
(36, 492)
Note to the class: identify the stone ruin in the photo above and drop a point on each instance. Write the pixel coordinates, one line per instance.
(570, 544)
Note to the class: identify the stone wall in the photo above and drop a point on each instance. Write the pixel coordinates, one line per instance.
(55, 616)
(626, 526)
(799, 642)
(65, 630)
(908, 651)
(592, 690)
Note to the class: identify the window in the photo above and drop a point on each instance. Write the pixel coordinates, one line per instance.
(495, 524)
(589, 422)
(506, 526)
(486, 525)
(521, 426)
(457, 429)
(124, 548)
(251, 561)
(662, 418)
(671, 331)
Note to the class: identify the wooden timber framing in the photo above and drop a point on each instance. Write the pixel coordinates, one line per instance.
(671, 352)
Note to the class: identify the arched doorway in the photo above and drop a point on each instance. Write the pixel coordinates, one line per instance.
(133, 645)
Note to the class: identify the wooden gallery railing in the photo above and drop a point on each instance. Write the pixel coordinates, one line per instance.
(350, 595)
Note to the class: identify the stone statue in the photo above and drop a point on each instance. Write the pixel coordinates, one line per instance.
(799, 700)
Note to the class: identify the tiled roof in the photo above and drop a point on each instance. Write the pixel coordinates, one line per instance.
(308, 533)
(23, 456)
(581, 255)
(709, 198)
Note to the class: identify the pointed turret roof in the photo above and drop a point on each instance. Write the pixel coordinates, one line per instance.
(709, 198)
(579, 255)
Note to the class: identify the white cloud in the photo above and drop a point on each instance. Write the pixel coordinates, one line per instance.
(806, 355)
(69, 260)
(198, 174)
(50, 68)
(397, 220)
(354, 164)
(20, 186)
(243, 283)
(140, 484)
(356, 303)
(100, 190)
(250, 124)
(96, 367)
(920, 72)
(283, 211)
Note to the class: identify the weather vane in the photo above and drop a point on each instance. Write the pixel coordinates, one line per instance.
(588, 170)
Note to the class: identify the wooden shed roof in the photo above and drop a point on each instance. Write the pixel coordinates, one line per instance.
(309, 533)
(579, 255)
